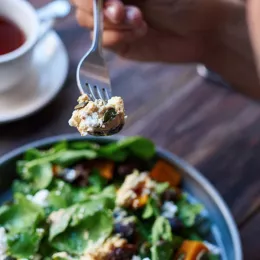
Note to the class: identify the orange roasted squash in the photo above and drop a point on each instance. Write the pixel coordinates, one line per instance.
(106, 169)
(190, 250)
(165, 172)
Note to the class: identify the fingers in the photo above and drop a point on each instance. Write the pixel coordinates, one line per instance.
(115, 14)
(115, 38)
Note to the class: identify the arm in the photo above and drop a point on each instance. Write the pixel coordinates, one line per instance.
(231, 53)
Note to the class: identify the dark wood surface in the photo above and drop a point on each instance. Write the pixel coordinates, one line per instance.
(213, 128)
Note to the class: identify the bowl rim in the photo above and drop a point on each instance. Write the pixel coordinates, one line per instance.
(180, 163)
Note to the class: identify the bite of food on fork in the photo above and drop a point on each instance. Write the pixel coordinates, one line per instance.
(98, 117)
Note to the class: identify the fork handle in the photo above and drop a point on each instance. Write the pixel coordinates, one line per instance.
(98, 25)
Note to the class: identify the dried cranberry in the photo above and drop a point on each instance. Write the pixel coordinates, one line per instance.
(170, 195)
(176, 224)
(122, 253)
(127, 167)
(127, 231)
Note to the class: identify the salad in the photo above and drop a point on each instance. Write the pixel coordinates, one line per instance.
(85, 201)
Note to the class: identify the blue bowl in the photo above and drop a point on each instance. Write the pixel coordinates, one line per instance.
(223, 229)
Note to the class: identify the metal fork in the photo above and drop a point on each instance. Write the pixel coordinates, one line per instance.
(92, 73)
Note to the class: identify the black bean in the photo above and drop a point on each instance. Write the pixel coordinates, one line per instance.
(129, 166)
(176, 224)
(123, 253)
(127, 231)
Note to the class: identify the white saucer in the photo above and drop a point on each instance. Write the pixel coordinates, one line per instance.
(46, 79)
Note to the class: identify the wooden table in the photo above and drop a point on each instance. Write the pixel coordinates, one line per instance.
(213, 128)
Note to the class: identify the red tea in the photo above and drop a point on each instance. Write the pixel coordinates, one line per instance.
(11, 36)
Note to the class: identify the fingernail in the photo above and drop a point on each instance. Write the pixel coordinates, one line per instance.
(132, 16)
(111, 13)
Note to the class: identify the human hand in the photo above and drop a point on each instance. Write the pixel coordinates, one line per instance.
(156, 30)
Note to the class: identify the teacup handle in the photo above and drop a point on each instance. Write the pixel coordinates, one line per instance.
(49, 13)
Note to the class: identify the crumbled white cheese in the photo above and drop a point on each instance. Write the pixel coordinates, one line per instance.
(212, 248)
(127, 196)
(136, 257)
(70, 175)
(3, 243)
(40, 198)
(169, 209)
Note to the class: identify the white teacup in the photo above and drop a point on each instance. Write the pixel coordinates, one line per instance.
(15, 65)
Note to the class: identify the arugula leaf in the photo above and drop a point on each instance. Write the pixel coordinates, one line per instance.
(21, 215)
(24, 244)
(151, 209)
(162, 240)
(92, 228)
(188, 212)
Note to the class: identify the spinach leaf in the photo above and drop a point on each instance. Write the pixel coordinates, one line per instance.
(139, 146)
(161, 187)
(22, 187)
(24, 245)
(21, 215)
(188, 212)
(109, 115)
(83, 145)
(112, 152)
(55, 201)
(39, 175)
(151, 209)
(69, 157)
(96, 180)
(64, 217)
(162, 240)
(92, 228)
(32, 154)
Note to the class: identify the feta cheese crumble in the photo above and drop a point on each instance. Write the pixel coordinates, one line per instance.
(40, 198)
(3, 243)
(98, 117)
(169, 209)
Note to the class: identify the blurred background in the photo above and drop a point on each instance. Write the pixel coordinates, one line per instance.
(209, 125)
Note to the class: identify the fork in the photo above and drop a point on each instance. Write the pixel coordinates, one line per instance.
(92, 73)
